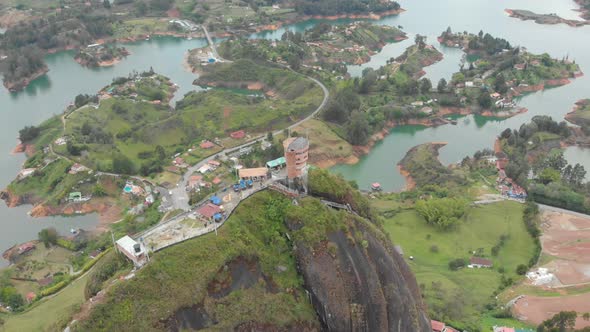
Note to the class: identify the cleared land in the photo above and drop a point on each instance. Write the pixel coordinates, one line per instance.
(566, 254)
(465, 291)
(536, 309)
(567, 239)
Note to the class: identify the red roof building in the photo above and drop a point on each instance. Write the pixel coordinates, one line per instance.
(31, 297)
(209, 210)
(480, 262)
(437, 326)
(26, 248)
(216, 181)
(178, 161)
(238, 134)
(206, 145)
(214, 163)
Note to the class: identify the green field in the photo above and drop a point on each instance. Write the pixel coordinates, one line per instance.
(141, 26)
(466, 291)
(45, 314)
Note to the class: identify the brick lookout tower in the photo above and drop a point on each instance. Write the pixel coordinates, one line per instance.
(296, 155)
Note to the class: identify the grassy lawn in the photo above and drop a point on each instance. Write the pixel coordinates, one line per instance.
(140, 26)
(324, 142)
(473, 288)
(167, 178)
(49, 311)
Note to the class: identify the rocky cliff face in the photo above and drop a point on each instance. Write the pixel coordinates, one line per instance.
(356, 279)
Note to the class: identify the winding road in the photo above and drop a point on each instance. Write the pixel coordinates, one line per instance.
(179, 197)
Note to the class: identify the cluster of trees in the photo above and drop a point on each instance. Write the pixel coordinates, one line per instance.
(22, 63)
(48, 236)
(556, 182)
(487, 43)
(336, 7)
(443, 213)
(83, 99)
(94, 134)
(518, 143)
(28, 133)
(10, 296)
(564, 321)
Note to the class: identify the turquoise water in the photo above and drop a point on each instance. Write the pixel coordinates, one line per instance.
(50, 94)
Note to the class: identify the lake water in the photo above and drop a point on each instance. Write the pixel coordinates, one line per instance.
(51, 93)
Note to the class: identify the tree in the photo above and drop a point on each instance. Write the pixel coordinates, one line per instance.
(340, 107)
(122, 164)
(561, 322)
(521, 269)
(48, 236)
(484, 100)
(99, 190)
(549, 175)
(269, 136)
(456, 264)
(500, 84)
(294, 61)
(358, 129)
(86, 129)
(442, 85)
(160, 152)
(420, 41)
(425, 85)
(441, 212)
(28, 133)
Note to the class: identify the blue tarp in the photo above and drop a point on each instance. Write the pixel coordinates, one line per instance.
(217, 216)
(216, 200)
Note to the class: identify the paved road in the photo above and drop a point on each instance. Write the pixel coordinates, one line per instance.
(179, 196)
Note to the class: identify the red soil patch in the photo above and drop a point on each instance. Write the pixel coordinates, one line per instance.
(535, 309)
(226, 113)
(567, 238)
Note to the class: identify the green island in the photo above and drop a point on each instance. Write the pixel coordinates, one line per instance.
(553, 18)
(100, 56)
(509, 71)
(580, 115)
(35, 28)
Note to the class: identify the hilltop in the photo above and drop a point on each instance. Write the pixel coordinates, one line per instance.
(255, 273)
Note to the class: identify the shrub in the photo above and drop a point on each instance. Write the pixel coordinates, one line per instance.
(521, 269)
(456, 264)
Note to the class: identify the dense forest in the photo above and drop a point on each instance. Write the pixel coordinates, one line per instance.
(22, 63)
(336, 7)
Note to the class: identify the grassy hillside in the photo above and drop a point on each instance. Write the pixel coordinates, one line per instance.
(198, 272)
(136, 121)
(459, 297)
(49, 314)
